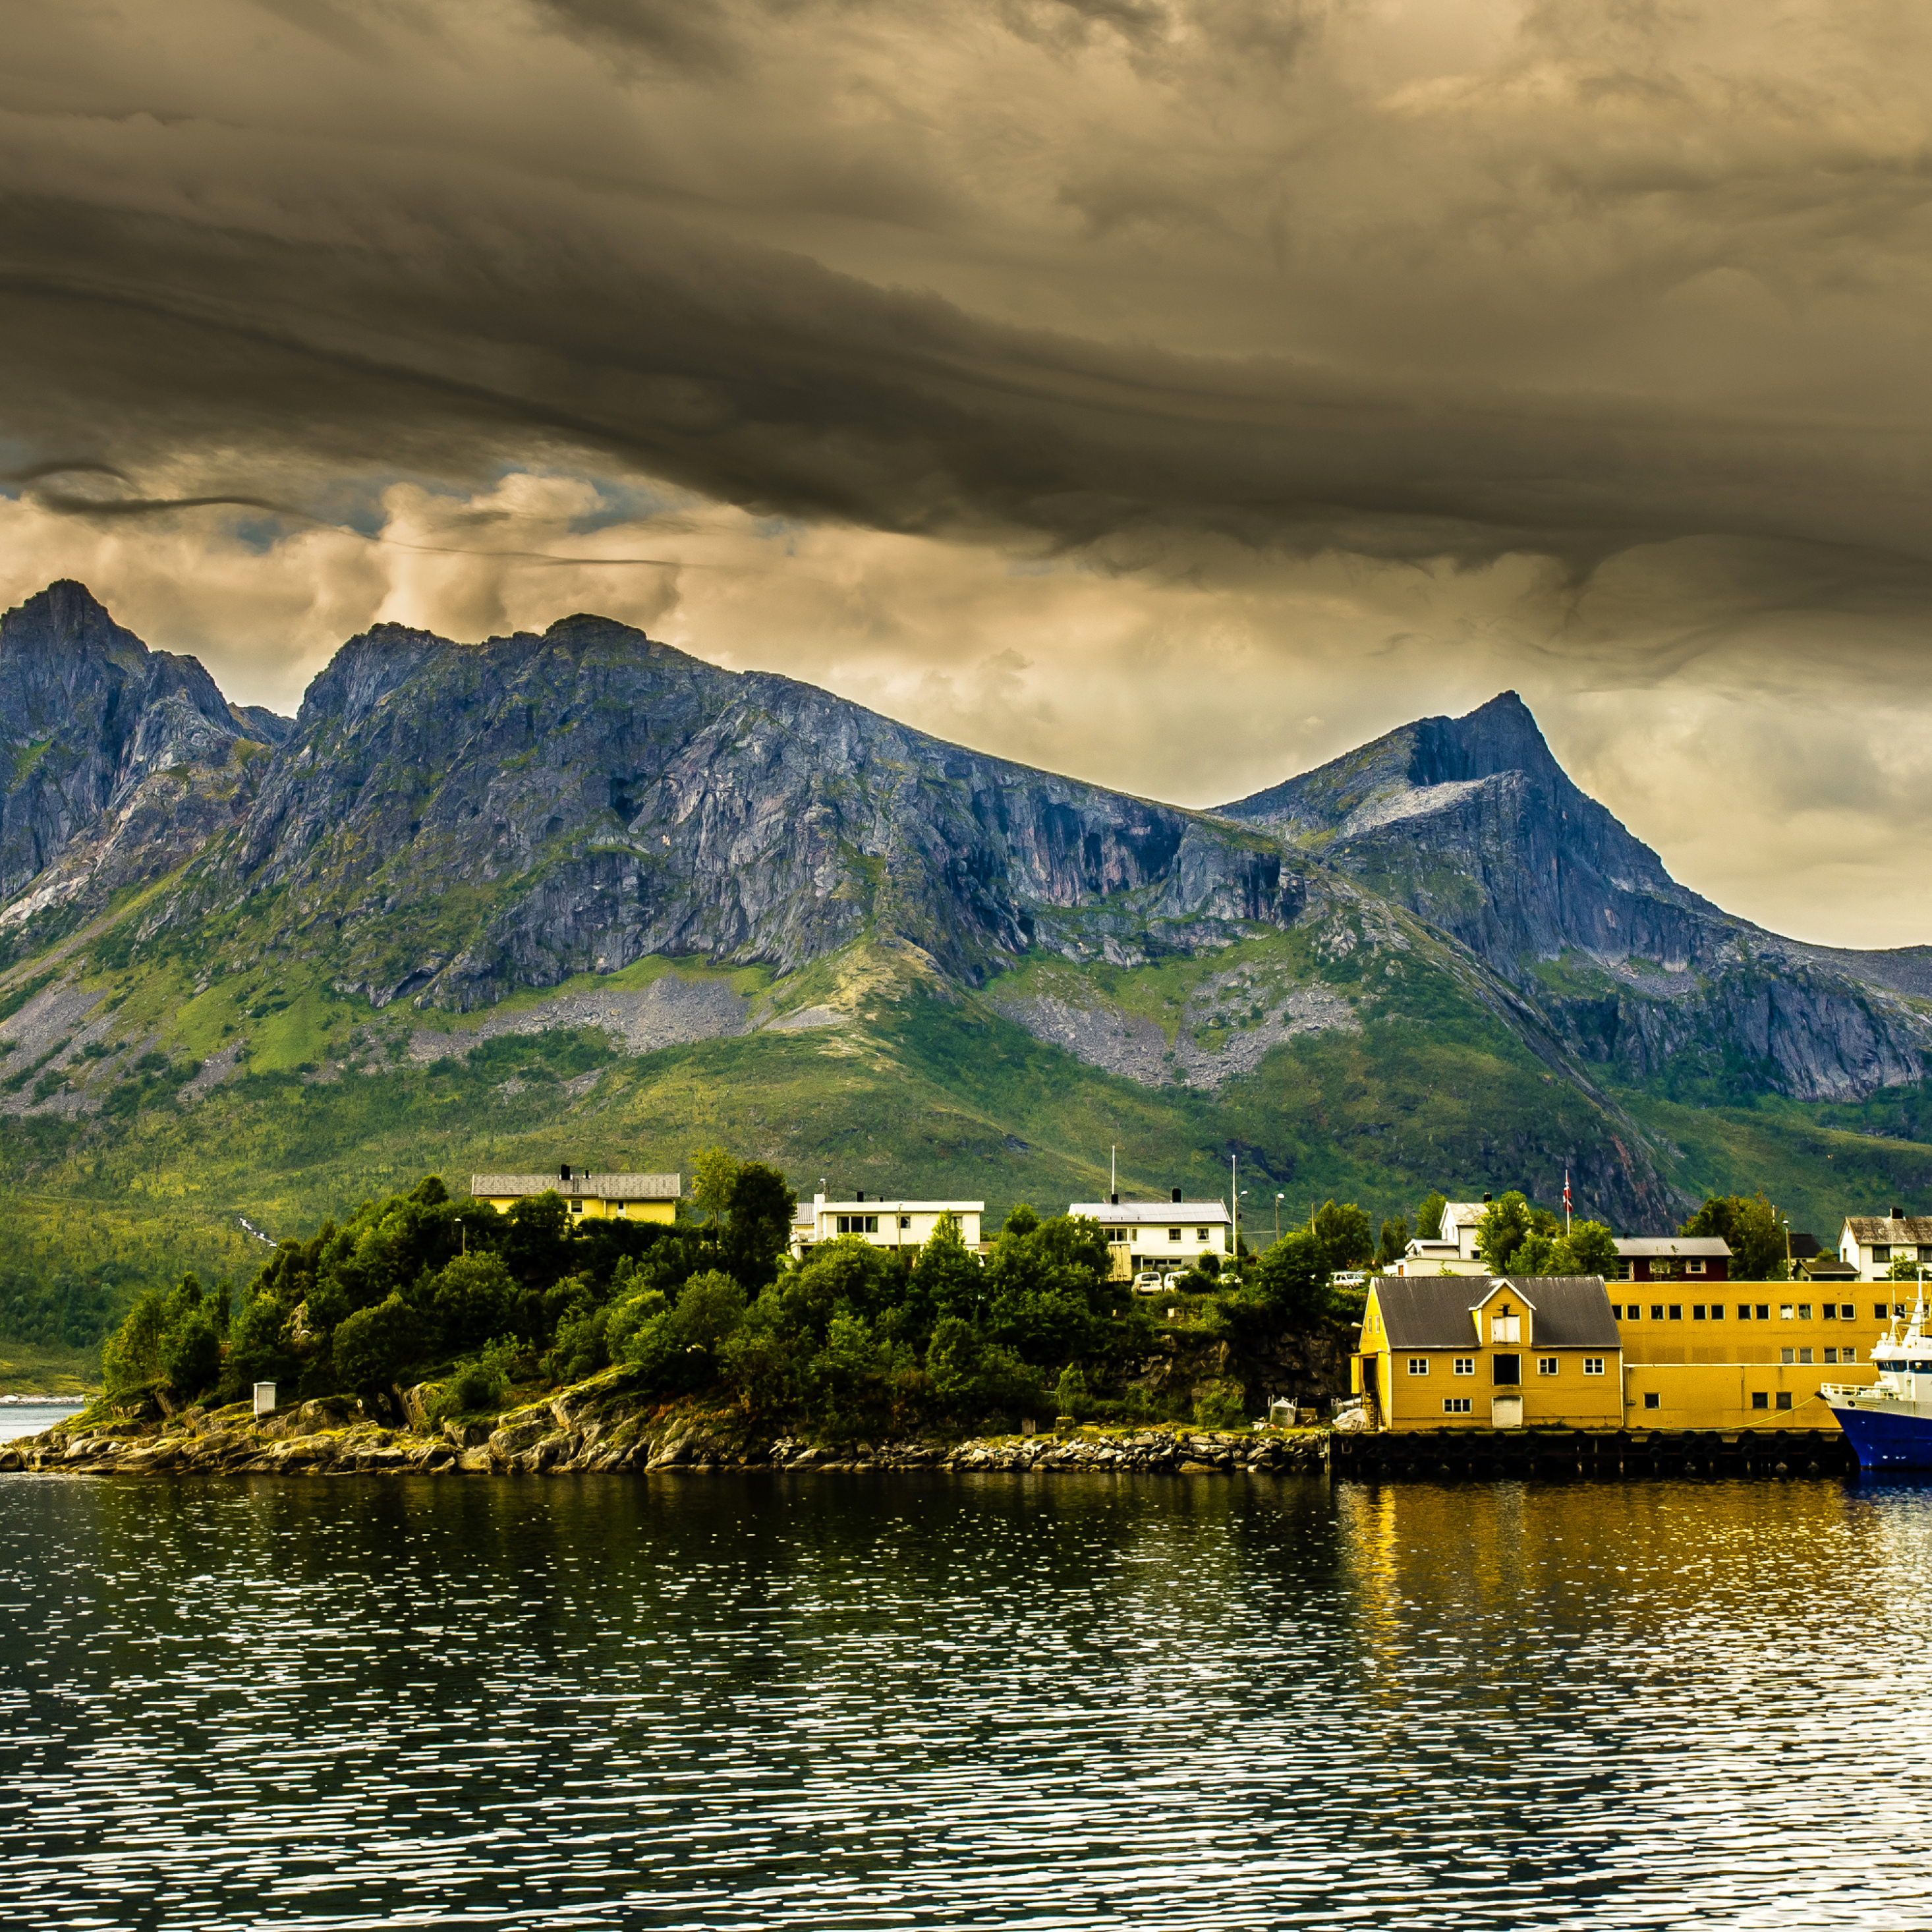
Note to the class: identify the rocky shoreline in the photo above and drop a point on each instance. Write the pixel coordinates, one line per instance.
(597, 1426)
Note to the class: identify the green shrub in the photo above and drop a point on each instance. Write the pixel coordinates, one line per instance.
(372, 1345)
(480, 1386)
(191, 1353)
(1219, 1405)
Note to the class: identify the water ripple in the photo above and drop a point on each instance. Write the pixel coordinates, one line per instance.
(713, 1702)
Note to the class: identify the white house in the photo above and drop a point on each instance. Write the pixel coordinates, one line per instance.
(1871, 1243)
(1163, 1236)
(885, 1224)
(1453, 1249)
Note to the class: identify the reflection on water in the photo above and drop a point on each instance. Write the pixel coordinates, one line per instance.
(837, 1702)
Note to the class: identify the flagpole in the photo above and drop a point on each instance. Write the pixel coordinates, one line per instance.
(1566, 1201)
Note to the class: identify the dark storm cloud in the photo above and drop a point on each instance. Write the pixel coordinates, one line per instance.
(803, 258)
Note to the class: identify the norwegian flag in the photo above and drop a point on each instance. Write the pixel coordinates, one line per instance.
(1566, 1190)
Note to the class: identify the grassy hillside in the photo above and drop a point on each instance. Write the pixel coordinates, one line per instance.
(927, 1091)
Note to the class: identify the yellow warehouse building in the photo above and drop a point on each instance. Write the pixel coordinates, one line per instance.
(1491, 1352)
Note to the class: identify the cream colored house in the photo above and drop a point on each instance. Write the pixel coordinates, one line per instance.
(1452, 1249)
(885, 1224)
(1163, 1237)
(626, 1197)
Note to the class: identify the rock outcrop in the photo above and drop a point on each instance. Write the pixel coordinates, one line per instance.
(601, 1426)
(1471, 823)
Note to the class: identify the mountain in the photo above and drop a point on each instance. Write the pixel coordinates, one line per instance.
(1471, 823)
(583, 895)
(123, 761)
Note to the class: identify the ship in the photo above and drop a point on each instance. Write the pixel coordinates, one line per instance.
(1888, 1421)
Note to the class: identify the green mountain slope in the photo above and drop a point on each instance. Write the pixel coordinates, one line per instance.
(582, 898)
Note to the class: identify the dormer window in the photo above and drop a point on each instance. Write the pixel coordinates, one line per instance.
(1505, 1326)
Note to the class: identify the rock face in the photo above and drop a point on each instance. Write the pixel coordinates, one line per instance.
(602, 798)
(1471, 823)
(446, 824)
(122, 761)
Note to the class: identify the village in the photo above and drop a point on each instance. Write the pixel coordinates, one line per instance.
(1445, 1343)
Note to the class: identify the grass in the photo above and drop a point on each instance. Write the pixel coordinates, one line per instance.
(29, 1368)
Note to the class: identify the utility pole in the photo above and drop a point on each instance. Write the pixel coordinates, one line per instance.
(1233, 1213)
(1277, 1217)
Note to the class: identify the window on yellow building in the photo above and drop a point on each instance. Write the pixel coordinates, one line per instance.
(1845, 1311)
(1829, 1312)
(1786, 1312)
(1593, 1365)
(1784, 1398)
(1787, 1356)
(1759, 1400)
(1697, 1312)
(1744, 1311)
(1505, 1328)
(1418, 1365)
(1830, 1358)
(1545, 1365)
(1804, 1311)
(1657, 1311)
(1465, 1365)
(1805, 1357)
(1677, 1311)
(1848, 1354)
(1456, 1405)
(1651, 1399)
(1764, 1311)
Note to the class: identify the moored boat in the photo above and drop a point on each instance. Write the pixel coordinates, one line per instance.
(1888, 1420)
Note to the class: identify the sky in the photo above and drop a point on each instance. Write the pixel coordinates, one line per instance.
(1175, 393)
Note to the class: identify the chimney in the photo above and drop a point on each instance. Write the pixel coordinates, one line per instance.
(860, 1196)
(566, 1171)
(1898, 1213)
(1113, 1201)
(1177, 1194)
(1486, 1198)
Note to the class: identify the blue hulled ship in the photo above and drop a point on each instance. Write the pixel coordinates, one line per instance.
(1888, 1421)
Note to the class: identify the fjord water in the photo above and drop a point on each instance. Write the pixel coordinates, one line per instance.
(833, 1701)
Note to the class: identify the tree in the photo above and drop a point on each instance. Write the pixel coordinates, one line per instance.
(1589, 1248)
(1394, 1242)
(714, 1175)
(1429, 1218)
(191, 1353)
(372, 1345)
(1021, 1219)
(1345, 1235)
(1749, 1224)
(133, 1355)
(472, 1301)
(947, 1279)
(762, 1205)
(1290, 1281)
(1513, 1237)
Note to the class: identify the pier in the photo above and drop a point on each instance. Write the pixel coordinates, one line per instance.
(1557, 1453)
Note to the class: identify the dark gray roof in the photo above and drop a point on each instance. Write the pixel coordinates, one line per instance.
(1433, 1311)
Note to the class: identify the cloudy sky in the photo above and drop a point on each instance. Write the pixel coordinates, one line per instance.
(1175, 392)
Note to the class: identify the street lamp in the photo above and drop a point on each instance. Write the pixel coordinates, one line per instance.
(1277, 1217)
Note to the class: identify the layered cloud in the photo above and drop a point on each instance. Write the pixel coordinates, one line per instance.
(1121, 384)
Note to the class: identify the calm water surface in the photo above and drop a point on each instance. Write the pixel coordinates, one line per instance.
(720, 1702)
(30, 1418)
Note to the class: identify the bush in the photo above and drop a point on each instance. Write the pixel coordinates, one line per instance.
(372, 1345)
(1220, 1406)
(191, 1353)
(480, 1386)
(473, 1299)
(133, 1355)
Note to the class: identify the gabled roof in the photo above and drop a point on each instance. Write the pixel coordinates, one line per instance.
(1131, 1214)
(1434, 1311)
(595, 1186)
(1866, 1229)
(1648, 1247)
